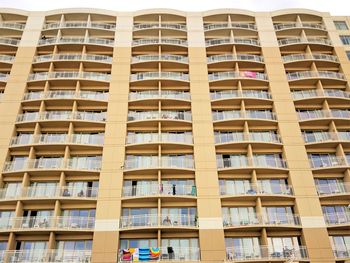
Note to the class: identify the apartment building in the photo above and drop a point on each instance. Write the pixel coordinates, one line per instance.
(162, 135)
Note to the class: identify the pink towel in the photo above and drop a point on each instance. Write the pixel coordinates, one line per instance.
(249, 74)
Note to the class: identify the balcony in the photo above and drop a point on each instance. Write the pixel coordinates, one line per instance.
(230, 94)
(66, 94)
(155, 162)
(232, 25)
(76, 40)
(253, 219)
(47, 255)
(341, 253)
(231, 137)
(238, 57)
(328, 161)
(156, 189)
(257, 189)
(309, 40)
(318, 137)
(232, 41)
(73, 57)
(237, 114)
(3, 77)
(162, 58)
(159, 115)
(159, 76)
(218, 76)
(164, 137)
(344, 135)
(61, 116)
(9, 41)
(7, 58)
(43, 76)
(321, 114)
(333, 189)
(283, 26)
(44, 139)
(242, 254)
(12, 25)
(159, 94)
(79, 24)
(242, 161)
(172, 26)
(337, 219)
(142, 221)
(315, 74)
(313, 56)
(159, 41)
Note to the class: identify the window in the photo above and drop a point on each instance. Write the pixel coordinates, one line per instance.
(236, 187)
(134, 243)
(138, 217)
(6, 219)
(239, 216)
(279, 246)
(242, 247)
(348, 54)
(179, 216)
(274, 186)
(341, 246)
(335, 214)
(3, 245)
(345, 39)
(74, 245)
(330, 186)
(279, 215)
(181, 248)
(341, 25)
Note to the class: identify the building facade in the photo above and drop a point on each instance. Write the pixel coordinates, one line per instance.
(218, 136)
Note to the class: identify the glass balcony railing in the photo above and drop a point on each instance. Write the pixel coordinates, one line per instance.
(69, 75)
(159, 189)
(7, 58)
(238, 57)
(229, 94)
(227, 137)
(12, 25)
(237, 114)
(46, 255)
(319, 136)
(159, 75)
(313, 56)
(262, 219)
(135, 138)
(339, 188)
(250, 253)
(214, 26)
(155, 41)
(66, 94)
(341, 253)
(153, 220)
(233, 41)
(3, 77)
(344, 135)
(9, 41)
(315, 74)
(76, 40)
(79, 24)
(159, 115)
(305, 94)
(334, 219)
(320, 114)
(282, 26)
(83, 164)
(257, 189)
(163, 57)
(58, 139)
(309, 40)
(235, 74)
(61, 115)
(156, 94)
(243, 161)
(326, 161)
(153, 162)
(73, 57)
(174, 26)
(337, 93)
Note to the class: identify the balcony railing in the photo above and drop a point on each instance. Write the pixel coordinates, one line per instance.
(257, 189)
(214, 26)
(327, 162)
(7, 58)
(79, 24)
(3, 77)
(69, 75)
(76, 40)
(237, 114)
(262, 219)
(320, 137)
(73, 57)
(227, 137)
(46, 255)
(315, 74)
(334, 219)
(164, 57)
(282, 26)
(164, 137)
(333, 189)
(159, 75)
(309, 40)
(58, 139)
(149, 220)
(12, 25)
(238, 57)
(229, 94)
(154, 94)
(243, 161)
(155, 41)
(341, 253)
(159, 115)
(66, 94)
(344, 135)
(153, 162)
(235, 74)
(337, 93)
(9, 41)
(313, 56)
(320, 114)
(266, 253)
(233, 41)
(174, 26)
(159, 189)
(61, 115)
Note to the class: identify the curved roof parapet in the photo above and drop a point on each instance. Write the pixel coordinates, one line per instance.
(289, 11)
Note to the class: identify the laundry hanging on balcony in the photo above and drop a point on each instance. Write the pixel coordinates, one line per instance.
(140, 254)
(249, 74)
